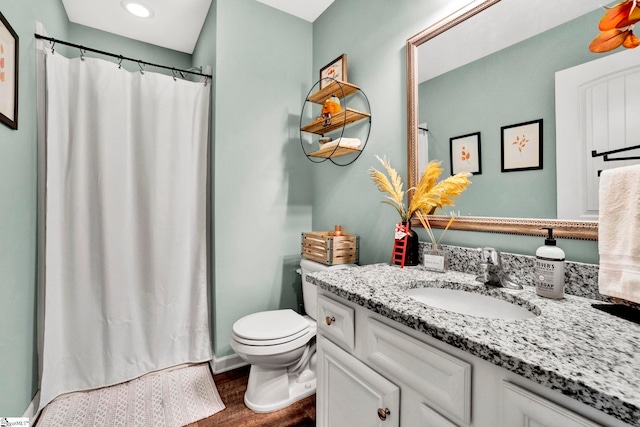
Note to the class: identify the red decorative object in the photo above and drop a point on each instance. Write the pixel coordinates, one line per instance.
(400, 244)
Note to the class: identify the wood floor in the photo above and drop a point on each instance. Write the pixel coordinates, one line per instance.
(232, 385)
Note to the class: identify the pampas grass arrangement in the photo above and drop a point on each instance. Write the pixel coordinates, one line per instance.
(428, 195)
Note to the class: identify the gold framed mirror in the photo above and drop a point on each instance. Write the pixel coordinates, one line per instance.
(585, 230)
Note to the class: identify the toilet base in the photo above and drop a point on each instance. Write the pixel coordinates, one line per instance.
(271, 389)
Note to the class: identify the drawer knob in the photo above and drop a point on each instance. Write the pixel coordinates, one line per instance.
(383, 413)
(329, 320)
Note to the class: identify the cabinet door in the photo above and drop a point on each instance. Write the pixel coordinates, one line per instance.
(526, 409)
(443, 381)
(352, 394)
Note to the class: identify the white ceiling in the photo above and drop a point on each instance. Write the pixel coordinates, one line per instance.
(309, 10)
(176, 24)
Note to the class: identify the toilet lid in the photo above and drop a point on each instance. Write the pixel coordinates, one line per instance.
(270, 325)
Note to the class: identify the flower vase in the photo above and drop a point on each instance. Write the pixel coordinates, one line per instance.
(411, 256)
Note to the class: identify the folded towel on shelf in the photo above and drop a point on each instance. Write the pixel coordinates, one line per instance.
(619, 233)
(343, 142)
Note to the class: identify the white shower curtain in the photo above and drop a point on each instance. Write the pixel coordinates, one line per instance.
(125, 289)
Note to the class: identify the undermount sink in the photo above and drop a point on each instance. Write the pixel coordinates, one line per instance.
(469, 303)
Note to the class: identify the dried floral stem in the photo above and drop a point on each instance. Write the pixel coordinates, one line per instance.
(425, 223)
(424, 220)
(446, 228)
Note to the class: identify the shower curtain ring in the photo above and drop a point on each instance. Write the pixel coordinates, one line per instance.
(53, 43)
(120, 61)
(81, 54)
(182, 74)
(206, 80)
(141, 69)
(173, 71)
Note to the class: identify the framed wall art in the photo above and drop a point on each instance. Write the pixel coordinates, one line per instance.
(8, 74)
(465, 154)
(521, 147)
(336, 69)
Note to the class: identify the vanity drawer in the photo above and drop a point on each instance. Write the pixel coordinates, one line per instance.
(336, 321)
(443, 381)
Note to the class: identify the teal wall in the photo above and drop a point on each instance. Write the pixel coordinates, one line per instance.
(109, 42)
(373, 34)
(18, 213)
(512, 86)
(205, 54)
(264, 190)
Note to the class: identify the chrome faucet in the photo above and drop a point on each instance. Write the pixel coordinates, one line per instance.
(490, 271)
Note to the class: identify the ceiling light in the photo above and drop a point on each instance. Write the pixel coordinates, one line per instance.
(138, 9)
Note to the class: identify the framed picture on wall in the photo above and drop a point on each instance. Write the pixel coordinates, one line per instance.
(336, 69)
(521, 147)
(8, 74)
(465, 154)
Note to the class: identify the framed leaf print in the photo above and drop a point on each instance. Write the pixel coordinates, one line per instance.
(522, 146)
(336, 69)
(465, 154)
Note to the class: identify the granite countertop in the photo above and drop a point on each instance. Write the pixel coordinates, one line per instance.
(570, 347)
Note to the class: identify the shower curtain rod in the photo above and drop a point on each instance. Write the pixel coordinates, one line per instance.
(120, 57)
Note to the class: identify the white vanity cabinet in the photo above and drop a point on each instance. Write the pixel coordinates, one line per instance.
(369, 365)
(370, 374)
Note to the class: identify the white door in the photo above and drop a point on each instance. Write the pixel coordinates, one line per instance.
(352, 394)
(597, 109)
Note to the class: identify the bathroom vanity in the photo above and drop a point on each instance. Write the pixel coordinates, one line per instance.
(386, 359)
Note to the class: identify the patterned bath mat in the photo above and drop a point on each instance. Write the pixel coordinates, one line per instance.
(170, 398)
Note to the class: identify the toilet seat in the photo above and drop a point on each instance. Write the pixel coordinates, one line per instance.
(259, 349)
(270, 327)
(272, 332)
(276, 341)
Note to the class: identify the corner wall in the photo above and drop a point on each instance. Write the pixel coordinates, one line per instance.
(18, 213)
(262, 191)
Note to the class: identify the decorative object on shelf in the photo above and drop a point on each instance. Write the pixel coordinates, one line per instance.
(521, 147)
(9, 54)
(465, 154)
(330, 107)
(333, 118)
(336, 70)
(337, 231)
(617, 28)
(427, 195)
(331, 247)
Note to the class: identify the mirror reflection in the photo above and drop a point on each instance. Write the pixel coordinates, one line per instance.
(502, 74)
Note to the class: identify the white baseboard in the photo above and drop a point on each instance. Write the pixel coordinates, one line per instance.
(226, 363)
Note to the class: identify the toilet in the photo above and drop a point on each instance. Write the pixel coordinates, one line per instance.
(280, 347)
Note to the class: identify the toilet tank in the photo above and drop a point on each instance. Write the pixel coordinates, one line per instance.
(309, 293)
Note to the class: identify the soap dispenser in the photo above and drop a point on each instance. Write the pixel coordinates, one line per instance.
(549, 268)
